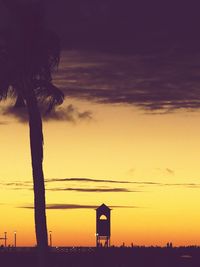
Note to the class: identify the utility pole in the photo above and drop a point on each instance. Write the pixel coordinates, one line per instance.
(5, 239)
(15, 239)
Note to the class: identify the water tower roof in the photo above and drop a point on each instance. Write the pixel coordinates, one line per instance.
(103, 207)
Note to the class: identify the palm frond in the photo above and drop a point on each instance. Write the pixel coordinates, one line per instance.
(32, 52)
(48, 94)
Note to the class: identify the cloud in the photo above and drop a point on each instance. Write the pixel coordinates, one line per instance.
(159, 83)
(93, 190)
(75, 206)
(51, 187)
(18, 113)
(70, 206)
(131, 186)
(25, 185)
(92, 180)
(86, 180)
(3, 122)
(69, 113)
(186, 185)
(16, 184)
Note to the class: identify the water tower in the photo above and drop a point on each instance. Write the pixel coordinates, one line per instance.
(103, 226)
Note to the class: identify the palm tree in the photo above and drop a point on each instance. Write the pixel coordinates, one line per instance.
(28, 55)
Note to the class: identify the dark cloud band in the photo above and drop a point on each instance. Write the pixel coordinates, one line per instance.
(50, 186)
(159, 82)
(75, 206)
(93, 190)
(86, 180)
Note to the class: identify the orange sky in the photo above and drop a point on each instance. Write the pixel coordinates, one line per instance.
(147, 164)
(120, 144)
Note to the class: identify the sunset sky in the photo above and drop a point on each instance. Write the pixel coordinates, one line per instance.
(127, 135)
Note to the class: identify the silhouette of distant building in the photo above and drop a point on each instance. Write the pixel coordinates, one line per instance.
(103, 226)
(169, 245)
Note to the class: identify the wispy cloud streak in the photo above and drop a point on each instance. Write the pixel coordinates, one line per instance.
(68, 113)
(86, 180)
(57, 185)
(94, 190)
(76, 206)
(142, 183)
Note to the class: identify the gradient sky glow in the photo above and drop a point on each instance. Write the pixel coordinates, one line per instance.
(127, 134)
(144, 163)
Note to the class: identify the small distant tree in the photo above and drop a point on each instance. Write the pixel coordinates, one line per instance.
(28, 55)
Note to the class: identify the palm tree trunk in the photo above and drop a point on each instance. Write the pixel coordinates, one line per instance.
(36, 144)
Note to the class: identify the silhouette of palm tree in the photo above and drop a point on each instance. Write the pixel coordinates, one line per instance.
(28, 55)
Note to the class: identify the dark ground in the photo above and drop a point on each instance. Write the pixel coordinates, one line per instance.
(112, 257)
